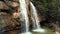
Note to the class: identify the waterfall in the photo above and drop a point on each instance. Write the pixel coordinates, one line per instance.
(24, 15)
(36, 19)
(34, 15)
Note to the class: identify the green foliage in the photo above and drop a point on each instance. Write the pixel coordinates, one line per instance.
(48, 7)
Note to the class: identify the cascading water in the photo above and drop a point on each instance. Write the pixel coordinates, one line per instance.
(24, 15)
(36, 20)
(34, 15)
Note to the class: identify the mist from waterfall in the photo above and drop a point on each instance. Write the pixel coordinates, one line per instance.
(36, 21)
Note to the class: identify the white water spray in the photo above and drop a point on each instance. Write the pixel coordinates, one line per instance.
(35, 17)
(24, 15)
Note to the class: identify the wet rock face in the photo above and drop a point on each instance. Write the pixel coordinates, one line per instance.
(12, 6)
(6, 4)
(12, 3)
(8, 23)
(3, 5)
(16, 13)
(13, 0)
